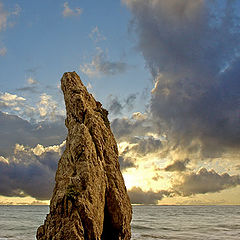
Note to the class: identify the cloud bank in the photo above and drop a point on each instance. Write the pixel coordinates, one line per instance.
(138, 196)
(205, 181)
(192, 50)
(30, 171)
(14, 130)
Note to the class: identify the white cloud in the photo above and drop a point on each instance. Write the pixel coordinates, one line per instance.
(3, 51)
(68, 12)
(100, 65)
(96, 35)
(39, 149)
(47, 106)
(4, 15)
(10, 98)
(139, 116)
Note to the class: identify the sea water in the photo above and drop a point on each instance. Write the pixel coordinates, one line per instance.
(149, 222)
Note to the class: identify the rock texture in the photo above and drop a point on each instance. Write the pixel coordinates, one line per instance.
(90, 200)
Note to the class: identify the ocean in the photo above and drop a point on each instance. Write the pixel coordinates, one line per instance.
(149, 222)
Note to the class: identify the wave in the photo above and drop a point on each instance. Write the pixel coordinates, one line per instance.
(134, 226)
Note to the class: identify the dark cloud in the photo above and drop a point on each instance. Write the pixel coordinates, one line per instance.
(30, 172)
(146, 145)
(142, 146)
(126, 162)
(101, 65)
(237, 167)
(192, 50)
(177, 166)
(111, 68)
(205, 181)
(138, 196)
(14, 130)
(129, 102)
(114, 106)
(31, 89)
(125, 128)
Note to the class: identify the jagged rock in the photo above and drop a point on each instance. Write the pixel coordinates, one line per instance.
(90, 200)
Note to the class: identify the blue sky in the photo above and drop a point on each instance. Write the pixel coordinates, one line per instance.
(42, 43)
(167, 71)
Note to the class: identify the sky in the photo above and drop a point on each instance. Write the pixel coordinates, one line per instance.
(167, 72)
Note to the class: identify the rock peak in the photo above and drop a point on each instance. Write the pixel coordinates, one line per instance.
(90, 199)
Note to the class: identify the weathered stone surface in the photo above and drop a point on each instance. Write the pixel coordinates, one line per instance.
(90, 200)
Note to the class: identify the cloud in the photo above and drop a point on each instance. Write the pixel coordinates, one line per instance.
(139, 116)
(31, 81)
(100, 65)
(126, 128)
(237, 167)
(136, 147)
(17, 10)
(116, 106)
(157, 177)
(31, 89)
(138, 196)
(4, 22)
(192, 50)
(32, 70)
(177, 166)
(8, 100)
(146, 145)
(46, 109)
(14, 130)
(30, 171)
(3, 51)
(204, 181)
(68, 12)
(130, 100)
(96, 35)
(3, 17)
(126, 162)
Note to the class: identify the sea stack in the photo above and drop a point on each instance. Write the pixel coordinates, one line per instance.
(90, 200)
